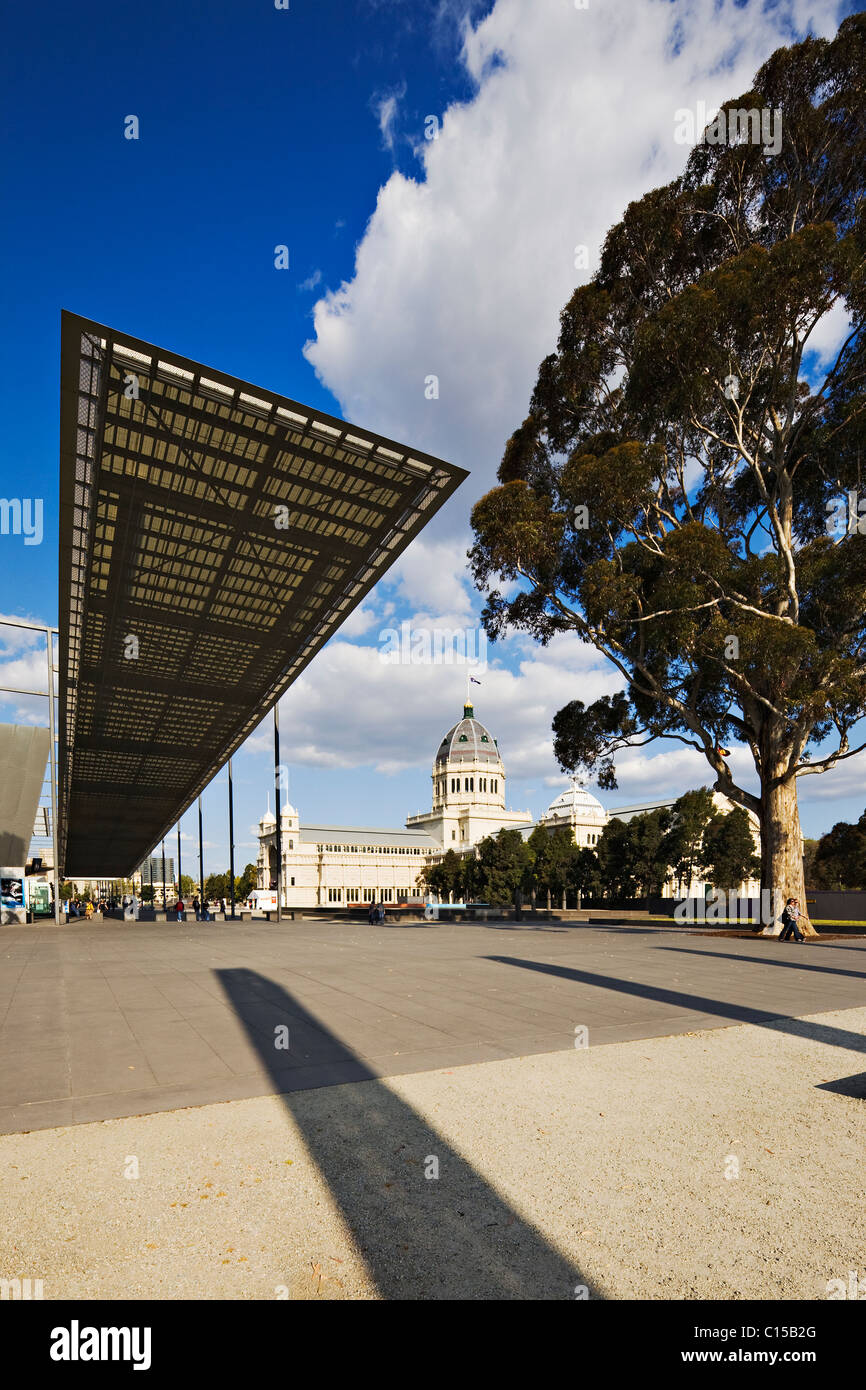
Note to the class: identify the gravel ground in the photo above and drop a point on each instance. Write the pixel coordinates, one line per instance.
(709, 1165)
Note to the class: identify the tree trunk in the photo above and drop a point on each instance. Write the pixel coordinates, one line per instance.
(781, 851)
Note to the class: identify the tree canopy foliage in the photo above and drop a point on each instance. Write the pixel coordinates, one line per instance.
(839, 859)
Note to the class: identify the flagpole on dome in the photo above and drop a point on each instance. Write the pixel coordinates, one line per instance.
(468, 710)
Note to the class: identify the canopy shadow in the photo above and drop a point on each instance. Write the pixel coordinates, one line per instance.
(740, 1013)
(451, 1237)
(765, 960)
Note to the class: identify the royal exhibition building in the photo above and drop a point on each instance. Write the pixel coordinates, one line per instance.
(344, 864)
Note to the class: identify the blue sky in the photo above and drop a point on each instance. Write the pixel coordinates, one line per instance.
(408, 257)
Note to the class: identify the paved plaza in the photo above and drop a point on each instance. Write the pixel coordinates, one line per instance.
(431, 1131)
(102, 1020)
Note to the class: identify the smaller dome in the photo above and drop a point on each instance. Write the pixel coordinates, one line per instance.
(268, 818)
(288, 811)
(576, 803)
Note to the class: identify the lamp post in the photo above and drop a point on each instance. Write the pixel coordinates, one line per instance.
(279, 810)
(201, 861)
(49, 633)
(231, 843)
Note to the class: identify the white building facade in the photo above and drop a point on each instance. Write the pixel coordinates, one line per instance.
(340, 866)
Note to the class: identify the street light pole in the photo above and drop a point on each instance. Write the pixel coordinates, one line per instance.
(201, 861)
(279, 810)
(49, 636)
(231, 842)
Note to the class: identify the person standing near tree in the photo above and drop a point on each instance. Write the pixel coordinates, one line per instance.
(791, 921)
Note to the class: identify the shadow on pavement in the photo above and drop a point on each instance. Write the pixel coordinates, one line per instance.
(795, 964)
(740, 1013)
(448, 1238)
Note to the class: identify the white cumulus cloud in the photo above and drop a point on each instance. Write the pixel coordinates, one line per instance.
(462, 272)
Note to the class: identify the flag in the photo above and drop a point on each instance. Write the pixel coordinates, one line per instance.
(474, 681)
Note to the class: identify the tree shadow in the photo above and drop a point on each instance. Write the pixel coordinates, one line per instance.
(765, 960)
(564, 927)
(837, 946)
(404, 926)
(699, 1003)
(451, 1237)
(516, 926)
(626, 931)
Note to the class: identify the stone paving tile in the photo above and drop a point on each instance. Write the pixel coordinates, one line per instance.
(34, 1080)
(50, 1114)
(142, 1019)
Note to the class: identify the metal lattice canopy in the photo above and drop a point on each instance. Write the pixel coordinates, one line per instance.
(213, 536)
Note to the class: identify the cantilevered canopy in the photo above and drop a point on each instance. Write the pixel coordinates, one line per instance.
(213, 536)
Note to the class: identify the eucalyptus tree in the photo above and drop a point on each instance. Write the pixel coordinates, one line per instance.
(686, 493)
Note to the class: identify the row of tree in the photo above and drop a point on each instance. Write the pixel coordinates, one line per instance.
(633, 858)
(218, 886)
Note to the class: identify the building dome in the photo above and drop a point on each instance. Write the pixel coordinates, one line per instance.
(468, 742)
(576, 804)
(268, 818)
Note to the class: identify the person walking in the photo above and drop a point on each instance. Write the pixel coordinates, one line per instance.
(178, 907)
(791, 921)
(196, 907)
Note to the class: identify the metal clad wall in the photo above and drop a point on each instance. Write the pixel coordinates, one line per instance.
(23, 756)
